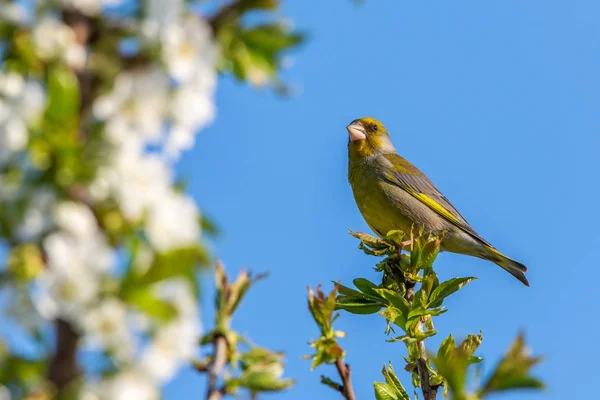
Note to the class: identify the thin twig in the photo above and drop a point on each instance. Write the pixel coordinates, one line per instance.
(344, 372)
(338, 387)
(219, 360)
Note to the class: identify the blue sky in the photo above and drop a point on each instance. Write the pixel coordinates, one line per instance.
(496, 101)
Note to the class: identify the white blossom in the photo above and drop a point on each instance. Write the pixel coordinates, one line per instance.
(67, 253)
(160, 13)
(77, 254)
(66, 295)
(173, 346)
(137, 181)
(127, 385)
(76, 219)
(148, 117)
(53, 39)
(13, 12)
(175, 343)
(21, 103)
(135, 106)
(4, 393)
(179, 293)
(11, 84)
(38, 213)
(186, 47)
(173, 223)
(90, 7)
(106, 326)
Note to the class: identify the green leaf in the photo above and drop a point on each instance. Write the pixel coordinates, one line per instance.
(419, 312)
(271, 38)
(394, 299)
(63, 98)
(395, 237)
(446, 288)
(416, 337)
(428, 284)
(182, 262)
(430, 252)
(392, 314)
(470, 344)
(385, 391)
(513, 371)
(420, 299)
(392, 379)
(144, 299)
(345, 290)
(253, 54)
(446, 348)
(357, 305)
(265, 381)
(369, 240)
(367, 287)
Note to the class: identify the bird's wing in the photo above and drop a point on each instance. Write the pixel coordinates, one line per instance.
(409, 178)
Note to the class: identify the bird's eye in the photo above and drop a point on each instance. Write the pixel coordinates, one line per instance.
(374, 127)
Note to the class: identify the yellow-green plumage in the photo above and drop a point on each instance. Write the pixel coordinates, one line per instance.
(391, 193)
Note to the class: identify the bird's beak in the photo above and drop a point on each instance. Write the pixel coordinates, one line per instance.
(356, 131)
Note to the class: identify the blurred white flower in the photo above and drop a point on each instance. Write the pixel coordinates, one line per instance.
(187, 47)
(66, 295)
(174, 344)
(77, 253)
(11, 84)
(135, 106)
(143, 259)
(106, 326)
(53, 39)
(13, 134)
(179, 293)
(68, 254)
(37, 216)
(130, 384)
(76, 219)
(137, 181)
(189, 54)
(192, 105)
(21, 102)
(160, 13)
(13, 12)
(173, 223)
(4, 393)
(90, 7)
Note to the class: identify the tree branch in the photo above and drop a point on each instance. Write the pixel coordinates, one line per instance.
(346, 388)
(219, 360)
(63, 366)
(429, 392)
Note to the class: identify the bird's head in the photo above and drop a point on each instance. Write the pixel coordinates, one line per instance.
(368, 137)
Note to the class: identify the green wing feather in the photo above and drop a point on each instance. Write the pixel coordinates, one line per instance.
(412, 180)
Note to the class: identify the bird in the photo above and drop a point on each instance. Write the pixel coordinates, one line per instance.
(393, 194)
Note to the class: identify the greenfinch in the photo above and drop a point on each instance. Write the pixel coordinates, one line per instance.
(391, 194)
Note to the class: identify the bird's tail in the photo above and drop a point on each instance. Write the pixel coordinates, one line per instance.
(515, 268)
